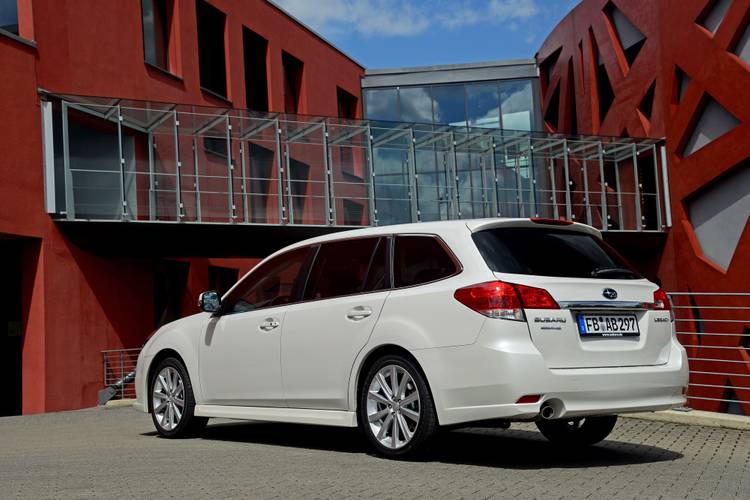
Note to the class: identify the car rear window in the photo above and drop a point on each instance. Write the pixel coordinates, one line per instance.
(551, 252)
(420, 259)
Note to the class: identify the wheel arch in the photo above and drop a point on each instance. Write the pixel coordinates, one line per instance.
(370, 358)
(158, 358)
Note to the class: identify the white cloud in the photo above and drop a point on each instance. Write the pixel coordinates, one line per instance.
(513, 9)
(404, 17)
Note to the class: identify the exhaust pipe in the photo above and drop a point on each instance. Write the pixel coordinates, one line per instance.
(547, 412)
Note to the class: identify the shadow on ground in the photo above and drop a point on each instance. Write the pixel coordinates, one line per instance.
(512, 449)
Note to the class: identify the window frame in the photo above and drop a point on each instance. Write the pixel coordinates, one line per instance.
(456, 262)
(302, 277)
(388, 267)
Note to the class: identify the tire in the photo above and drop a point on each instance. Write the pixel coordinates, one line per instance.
(577, 432)
(415, 421)
(170, 385)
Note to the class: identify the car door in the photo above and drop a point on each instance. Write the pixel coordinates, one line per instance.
(322, 335)
(240, 351)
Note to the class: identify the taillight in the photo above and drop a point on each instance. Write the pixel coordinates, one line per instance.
(536, 298)
(500, 300)
(661, 302)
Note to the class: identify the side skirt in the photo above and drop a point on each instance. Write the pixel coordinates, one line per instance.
(291, 415)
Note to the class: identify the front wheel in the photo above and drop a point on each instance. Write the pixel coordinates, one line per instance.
(578, 431)
(396, 410)
(172, 401)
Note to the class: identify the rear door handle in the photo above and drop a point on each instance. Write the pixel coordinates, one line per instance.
(359, 313)
(269, 324)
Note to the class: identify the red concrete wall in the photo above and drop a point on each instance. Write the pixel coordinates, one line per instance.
(77, 303)
(674, 38)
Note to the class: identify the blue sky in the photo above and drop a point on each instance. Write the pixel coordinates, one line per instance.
(399, 33)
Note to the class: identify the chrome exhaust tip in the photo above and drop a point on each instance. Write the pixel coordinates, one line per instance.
(547, 412)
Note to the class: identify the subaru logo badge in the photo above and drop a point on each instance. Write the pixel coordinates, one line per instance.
(609, 294)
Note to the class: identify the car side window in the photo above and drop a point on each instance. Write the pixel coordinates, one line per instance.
(420, 259)
(276, 282)
(341, 268)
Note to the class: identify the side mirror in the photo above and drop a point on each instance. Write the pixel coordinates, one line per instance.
(209, 302)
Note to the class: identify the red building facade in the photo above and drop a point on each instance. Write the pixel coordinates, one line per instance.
(680, 70)
(63, 304)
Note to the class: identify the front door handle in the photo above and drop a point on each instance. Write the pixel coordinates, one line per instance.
(269, 324)
(359, 313)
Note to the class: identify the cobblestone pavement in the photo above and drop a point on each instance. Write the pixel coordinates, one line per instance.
(114, 453)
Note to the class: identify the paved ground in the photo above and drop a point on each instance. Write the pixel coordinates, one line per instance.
(113, 453)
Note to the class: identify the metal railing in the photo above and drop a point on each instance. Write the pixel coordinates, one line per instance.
(714, 328)
(119, 374)
(126, 160)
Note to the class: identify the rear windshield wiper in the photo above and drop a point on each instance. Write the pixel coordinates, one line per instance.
(610, 271)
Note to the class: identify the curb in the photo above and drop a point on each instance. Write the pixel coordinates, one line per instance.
(696, 417)
(119, 403)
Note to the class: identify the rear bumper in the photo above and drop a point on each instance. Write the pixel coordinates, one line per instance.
(484, 380)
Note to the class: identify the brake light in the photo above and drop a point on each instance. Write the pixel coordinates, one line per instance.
(500, 300)
(552, 222)
(661, 302)
(536, 298)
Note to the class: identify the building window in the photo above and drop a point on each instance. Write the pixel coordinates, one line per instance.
(9, 16)
(221, 279)
(256, 77)
(517, 105)
(415, 104)
(347, 104)
(216, 146)
(293, 69)
(157, 19)
(211, 58)
(381, 104)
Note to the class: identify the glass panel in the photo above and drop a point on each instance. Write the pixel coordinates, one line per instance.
(165, 171)
(415, 104)
(449, 104)
(9, 16)
(420, 259)
(381, 104)
(155, 32)
(340, 269)
(517, 105)
(95, 168)
(275, 283)
(483, 105)
(211, 21)
(392, 185)
(527, 251)
(306, 173)
(213, 175)
(351, 185)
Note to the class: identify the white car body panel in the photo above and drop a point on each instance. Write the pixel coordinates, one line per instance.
(319, 344)
(240, 364)
(307, 369)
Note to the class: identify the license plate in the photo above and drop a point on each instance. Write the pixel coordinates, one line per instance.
(606, 325)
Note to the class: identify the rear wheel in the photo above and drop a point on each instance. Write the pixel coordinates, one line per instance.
(396, 410)
(172, 400)
(578, 431)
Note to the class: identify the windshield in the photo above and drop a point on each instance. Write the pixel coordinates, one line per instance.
(550, 252)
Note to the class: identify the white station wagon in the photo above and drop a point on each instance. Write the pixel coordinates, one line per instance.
(403, 329)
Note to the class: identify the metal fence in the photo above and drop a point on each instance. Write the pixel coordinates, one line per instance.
(714, 328)
(119, 374)
(126, 160)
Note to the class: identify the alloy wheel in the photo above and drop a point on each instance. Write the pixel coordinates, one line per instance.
(168, 398)
(393, 406)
